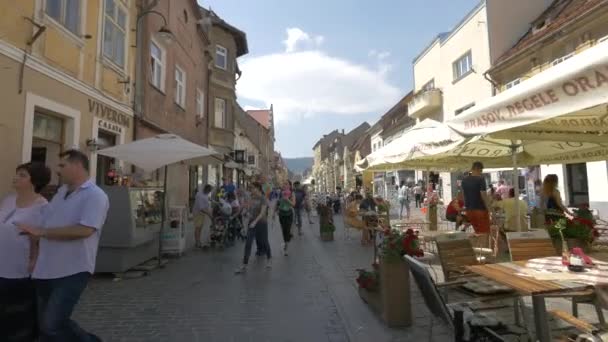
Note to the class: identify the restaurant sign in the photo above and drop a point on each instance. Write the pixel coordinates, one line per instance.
(107, 113)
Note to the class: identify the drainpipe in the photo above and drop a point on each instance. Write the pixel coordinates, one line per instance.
(494, 84)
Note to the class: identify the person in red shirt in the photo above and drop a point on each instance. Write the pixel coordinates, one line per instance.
(453, 212)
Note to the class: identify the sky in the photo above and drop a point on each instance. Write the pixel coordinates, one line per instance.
(331, 64)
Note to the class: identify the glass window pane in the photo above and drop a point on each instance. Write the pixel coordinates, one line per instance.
(107, 39)
(53, 9)
(110, 8)
(72, 15)
(119, 47)
(122, 19)
(155, 51)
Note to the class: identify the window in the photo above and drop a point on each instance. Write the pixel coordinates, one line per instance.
(251, 159)
(157, 65)
(220, 113)
(200, 102)
(463, 66)
(429, 85)
(115, 23)
(512, 83)
(460, 110)
(180, 87)
(66, 12)
(221, 57)
(561, 59)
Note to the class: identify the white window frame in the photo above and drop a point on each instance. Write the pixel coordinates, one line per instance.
(221, 51)
(61, 21)
(180, 87)
(562, 58)
(512, 83)
(159, 66)
(200, 103)
(119, 6)
(221, 123)
(462, 66)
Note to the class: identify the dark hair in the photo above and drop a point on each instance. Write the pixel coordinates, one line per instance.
(75, 156)
(402, 183)
(207, 189)
(40, 174)
(477, 165)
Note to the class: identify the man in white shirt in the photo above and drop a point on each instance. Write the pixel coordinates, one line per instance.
(509, 206)
(202, 217)
(403, 195)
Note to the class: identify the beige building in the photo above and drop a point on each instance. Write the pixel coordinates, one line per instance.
(64, 83)
(450, 73)
(561, 32)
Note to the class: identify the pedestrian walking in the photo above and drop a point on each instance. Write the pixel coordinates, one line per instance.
(476, 199)
(403, 194)
(18, 253)
(202, 213)
(258, 227)
(300, 196)
(285, 208)
(69, 239)
(308, 204)
(418, 195)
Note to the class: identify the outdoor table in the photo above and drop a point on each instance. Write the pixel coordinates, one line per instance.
(539, 277)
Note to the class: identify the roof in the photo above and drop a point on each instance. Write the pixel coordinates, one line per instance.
(440, 38)
(351, 138)
(239, 36)
(262, 116)
(326, 138)
(559, 14)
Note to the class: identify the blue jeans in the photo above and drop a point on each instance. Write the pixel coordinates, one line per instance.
(259, 233)
(56, 301)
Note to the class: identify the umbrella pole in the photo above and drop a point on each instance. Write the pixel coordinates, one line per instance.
(163, 216)
(515, 181)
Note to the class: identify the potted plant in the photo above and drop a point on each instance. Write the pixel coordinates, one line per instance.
(576, 232)
(394, 275)
(369, 287)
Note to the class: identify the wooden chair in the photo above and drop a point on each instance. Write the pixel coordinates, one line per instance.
(439, 309)
(455, 253)
(590, 333)
(537, 244)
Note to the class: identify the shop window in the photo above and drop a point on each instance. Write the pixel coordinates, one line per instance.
(578, 184)
(47, 142)
(106, 166)
(65, 12)
(115, 23)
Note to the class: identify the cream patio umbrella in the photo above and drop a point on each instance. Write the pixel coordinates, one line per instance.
(161, 151)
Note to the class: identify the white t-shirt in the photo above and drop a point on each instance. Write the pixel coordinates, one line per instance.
(403, 192)
(15, 248)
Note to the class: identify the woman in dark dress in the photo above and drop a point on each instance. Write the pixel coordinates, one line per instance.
(551, 200)
(18, 253)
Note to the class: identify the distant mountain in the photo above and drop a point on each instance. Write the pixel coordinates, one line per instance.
(299, 165)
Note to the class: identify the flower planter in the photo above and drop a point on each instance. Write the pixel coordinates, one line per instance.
(327, 236)
(372, 298)
(572, 243)
(395, 293)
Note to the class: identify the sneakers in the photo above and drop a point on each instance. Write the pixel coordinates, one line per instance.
(241, 270)
(285, 250)
(269, 263)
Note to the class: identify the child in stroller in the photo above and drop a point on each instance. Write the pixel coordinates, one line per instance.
(227, 224)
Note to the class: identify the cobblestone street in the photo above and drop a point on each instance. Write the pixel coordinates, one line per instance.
(308, 296)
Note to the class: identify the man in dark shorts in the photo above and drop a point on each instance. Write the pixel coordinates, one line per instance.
(476, 200)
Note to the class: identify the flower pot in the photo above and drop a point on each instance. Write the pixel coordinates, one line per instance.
(372, 298)
(395, 293)
(327, 236)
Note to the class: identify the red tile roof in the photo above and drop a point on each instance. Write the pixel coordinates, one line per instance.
(555, 17)
(262, 116)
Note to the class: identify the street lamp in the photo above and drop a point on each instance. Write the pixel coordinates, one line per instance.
(163, 34)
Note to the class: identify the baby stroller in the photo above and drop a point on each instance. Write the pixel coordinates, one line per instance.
(219, 227)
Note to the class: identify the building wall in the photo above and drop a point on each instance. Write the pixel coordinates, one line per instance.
(67, 77)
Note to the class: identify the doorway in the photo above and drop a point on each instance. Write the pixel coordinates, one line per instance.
(106, 169)
(578, 184)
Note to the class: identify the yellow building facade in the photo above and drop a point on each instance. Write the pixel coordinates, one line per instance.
(67, 71)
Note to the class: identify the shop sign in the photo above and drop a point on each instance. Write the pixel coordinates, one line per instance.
(108, 126)
(102, 111)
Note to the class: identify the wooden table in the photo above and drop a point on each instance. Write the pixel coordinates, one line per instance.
(520, 276)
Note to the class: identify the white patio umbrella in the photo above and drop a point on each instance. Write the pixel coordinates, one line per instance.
(161, 151)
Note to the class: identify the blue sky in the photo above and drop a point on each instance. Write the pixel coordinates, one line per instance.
(331, 64)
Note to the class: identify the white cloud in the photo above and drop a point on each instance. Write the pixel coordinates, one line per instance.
(307, 83)
(296, 38)
(248, 107)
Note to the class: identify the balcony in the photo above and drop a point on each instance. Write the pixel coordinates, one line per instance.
(425, 103)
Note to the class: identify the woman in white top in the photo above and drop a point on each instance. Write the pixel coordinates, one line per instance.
(18, 253)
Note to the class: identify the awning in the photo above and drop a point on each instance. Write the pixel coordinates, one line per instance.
(567, 102)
